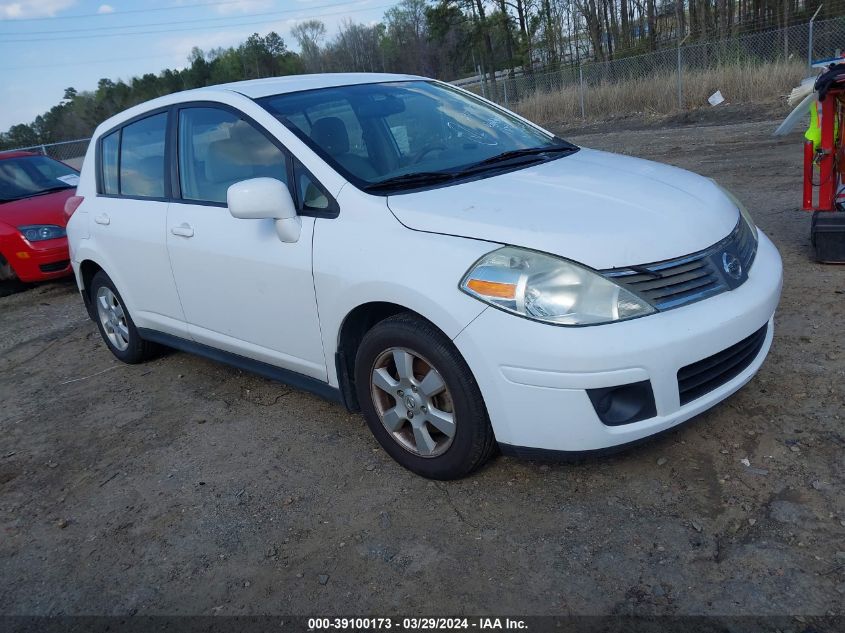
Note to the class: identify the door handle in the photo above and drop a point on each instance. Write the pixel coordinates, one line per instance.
(183, 230)
(102, 219)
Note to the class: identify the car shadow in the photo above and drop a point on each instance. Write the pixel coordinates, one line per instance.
(13, 286)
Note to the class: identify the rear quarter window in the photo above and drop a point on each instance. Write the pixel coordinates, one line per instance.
(108, 162)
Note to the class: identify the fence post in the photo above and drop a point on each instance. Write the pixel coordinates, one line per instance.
(785, 31)
(505, 83)
(581, 89)
(680, 81)
(810, 38)
(680, 78)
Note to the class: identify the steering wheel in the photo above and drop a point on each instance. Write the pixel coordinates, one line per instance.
(470, 134)
(431, 147)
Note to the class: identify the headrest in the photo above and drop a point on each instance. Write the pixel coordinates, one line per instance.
(330, 134)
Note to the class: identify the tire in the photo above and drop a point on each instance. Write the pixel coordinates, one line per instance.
(115, 324)
(414, 427)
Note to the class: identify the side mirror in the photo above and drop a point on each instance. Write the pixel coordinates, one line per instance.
(265, 198)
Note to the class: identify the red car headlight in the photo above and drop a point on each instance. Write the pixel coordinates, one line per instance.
(41, 232)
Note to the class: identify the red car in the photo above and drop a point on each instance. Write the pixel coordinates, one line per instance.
(33, 191)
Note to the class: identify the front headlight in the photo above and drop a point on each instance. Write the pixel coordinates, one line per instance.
(746, 215)
(743, 211)
(41, 232)
(549, 289)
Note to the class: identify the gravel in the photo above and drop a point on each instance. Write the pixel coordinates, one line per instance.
(599, 536)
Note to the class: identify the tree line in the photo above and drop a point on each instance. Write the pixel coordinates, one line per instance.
(445, 39)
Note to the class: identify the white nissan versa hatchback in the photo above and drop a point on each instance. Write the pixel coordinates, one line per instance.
(463, 277)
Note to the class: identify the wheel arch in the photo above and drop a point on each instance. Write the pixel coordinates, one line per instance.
(357, 322)
(87, 269)
(7, 271)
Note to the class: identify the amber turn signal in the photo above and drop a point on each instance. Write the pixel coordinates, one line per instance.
(492, 288)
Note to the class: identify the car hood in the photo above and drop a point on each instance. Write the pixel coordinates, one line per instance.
(45, 209)
(600, 209)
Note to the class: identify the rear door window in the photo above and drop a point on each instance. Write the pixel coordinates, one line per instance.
(142, 157)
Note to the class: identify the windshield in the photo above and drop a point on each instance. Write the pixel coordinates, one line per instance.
(401, 133)
(26, 176)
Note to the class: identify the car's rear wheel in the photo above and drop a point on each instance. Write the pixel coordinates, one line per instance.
(114, 322)
(7, 273)
(420, 400)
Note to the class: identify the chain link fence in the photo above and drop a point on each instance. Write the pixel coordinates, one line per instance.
(672, 78)
(70, 152)
(785, 53)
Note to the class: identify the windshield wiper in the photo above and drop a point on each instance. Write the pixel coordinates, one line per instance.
(520, 153)
(423, 178)
(50, 190)
(4, 200)
(405, 181)
(37, 193)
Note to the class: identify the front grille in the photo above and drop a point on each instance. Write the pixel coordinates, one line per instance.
(706, 375)
(677, 282)
(54, 267)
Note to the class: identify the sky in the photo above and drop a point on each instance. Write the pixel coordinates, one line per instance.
(49, 45)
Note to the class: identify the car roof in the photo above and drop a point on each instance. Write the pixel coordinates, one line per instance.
(253, 89)
(257, 88)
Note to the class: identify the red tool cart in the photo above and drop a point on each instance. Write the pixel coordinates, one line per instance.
(824, 170)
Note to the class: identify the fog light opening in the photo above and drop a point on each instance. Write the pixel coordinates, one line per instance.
(623, 404)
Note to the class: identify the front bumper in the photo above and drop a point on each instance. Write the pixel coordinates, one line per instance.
(534, 376)
(37, 261)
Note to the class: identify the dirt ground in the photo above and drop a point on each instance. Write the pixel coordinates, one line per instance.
(183, 486)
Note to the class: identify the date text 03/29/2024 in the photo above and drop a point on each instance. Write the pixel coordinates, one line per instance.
(411, 624)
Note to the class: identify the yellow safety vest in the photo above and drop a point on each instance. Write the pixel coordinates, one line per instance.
(814, 131)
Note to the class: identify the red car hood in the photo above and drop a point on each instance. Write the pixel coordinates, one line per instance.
(45, 209)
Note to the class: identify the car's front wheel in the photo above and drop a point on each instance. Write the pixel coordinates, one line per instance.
(420, 400)
(114, 322)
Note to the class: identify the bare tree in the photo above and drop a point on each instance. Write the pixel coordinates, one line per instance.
(309, 35)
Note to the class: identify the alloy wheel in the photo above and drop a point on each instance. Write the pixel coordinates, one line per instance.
(113, 318)
(413, 402)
